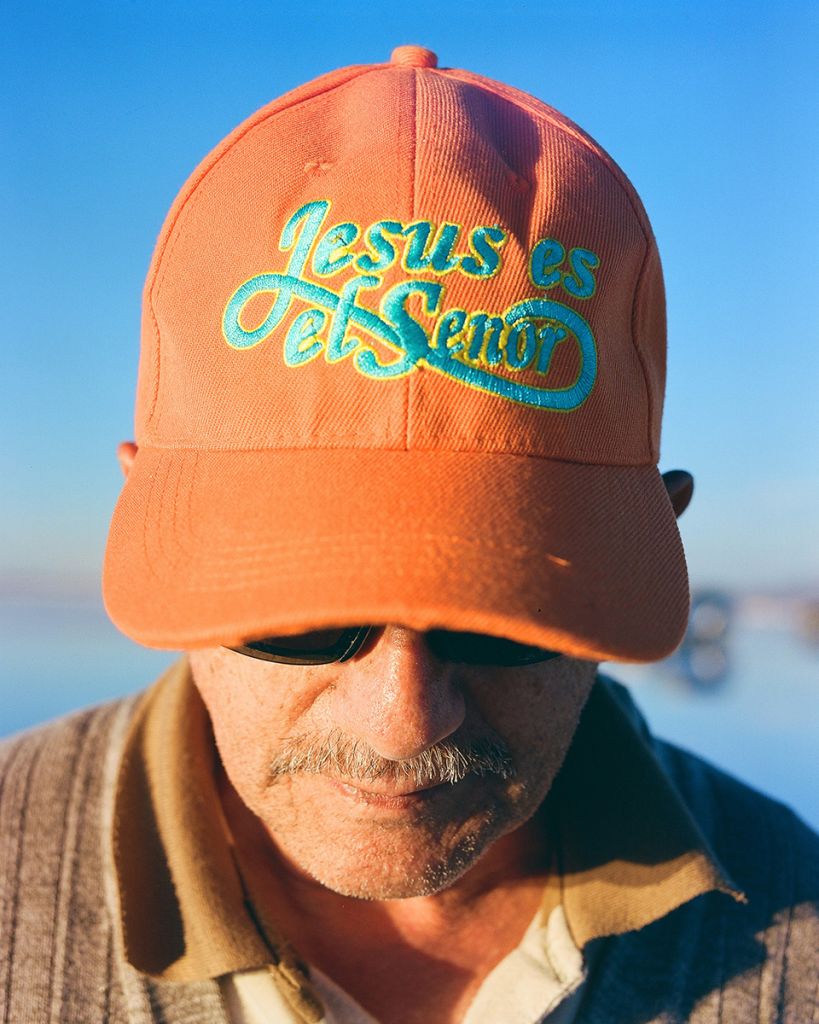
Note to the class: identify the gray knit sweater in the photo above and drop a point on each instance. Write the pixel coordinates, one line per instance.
(711, 960)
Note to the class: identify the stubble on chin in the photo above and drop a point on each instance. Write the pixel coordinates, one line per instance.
(383, 857)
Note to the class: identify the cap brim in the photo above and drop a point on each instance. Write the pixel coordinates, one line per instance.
(214, 547)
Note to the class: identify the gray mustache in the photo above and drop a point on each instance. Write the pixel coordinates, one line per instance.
(449, 761)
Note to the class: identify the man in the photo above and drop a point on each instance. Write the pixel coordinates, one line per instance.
(395, 490)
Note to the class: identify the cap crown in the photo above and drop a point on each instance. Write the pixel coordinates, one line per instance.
(406, 257)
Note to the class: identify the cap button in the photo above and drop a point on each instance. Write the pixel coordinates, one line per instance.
(414, 57)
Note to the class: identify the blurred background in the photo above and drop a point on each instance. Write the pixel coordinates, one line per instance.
(711, 109)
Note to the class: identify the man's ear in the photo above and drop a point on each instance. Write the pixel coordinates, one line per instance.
(680, 487)
(126, 453)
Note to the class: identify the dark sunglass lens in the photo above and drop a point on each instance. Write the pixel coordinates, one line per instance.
(480, 649)
(319, 641)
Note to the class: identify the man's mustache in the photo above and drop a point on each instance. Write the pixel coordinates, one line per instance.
(338, 755)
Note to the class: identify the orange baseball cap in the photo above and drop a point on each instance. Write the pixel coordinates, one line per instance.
(403, 360)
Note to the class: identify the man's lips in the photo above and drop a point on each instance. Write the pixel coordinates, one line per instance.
(389, 794)
(386, 789)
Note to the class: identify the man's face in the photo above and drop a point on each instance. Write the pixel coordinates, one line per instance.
(344, 764)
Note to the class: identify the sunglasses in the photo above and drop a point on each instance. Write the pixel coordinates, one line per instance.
(323, 646)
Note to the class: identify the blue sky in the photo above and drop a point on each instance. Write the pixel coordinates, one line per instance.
(710, 108)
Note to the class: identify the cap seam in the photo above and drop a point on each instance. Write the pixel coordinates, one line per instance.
(413, 179)
(483, 452)
(162, 258)
(649, 397)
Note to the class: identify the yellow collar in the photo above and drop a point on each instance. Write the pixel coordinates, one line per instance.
(630, 852)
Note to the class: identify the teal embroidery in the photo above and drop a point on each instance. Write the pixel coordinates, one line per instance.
(517, 358)
(549, 337)
(312, 215)
(337, 345)
(450, 326)
(545, 268)
(412, 338)
(378, 243)
(426, 248)
(572, 322)
(485, 341)
(411, 327)
(546, 257)
(559, 399)
(486, 243)
(439, 257)
(285, 287)
(337, 239)
(306, 325)
(581, 282)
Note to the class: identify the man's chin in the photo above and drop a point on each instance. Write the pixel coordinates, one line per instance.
(396, 874)
(379, 844)
(392, 856)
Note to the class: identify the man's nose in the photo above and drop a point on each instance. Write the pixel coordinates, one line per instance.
(399, 698)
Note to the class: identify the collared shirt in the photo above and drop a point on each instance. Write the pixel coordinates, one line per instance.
(629, 853)
(540, 981)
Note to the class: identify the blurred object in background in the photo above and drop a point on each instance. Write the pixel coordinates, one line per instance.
(810, 623)
(703, 657)
(794, 610)
(743, 689)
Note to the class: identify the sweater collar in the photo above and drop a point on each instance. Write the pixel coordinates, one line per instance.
(630, 851)
(184, 912)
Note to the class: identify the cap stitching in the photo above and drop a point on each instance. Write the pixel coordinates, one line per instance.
(162, 258)
(250, 552)
(164, 556)
(154, 478)
(155, 395)
(413, 184)
(483, 453)
(189, 503)
(649, 397)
